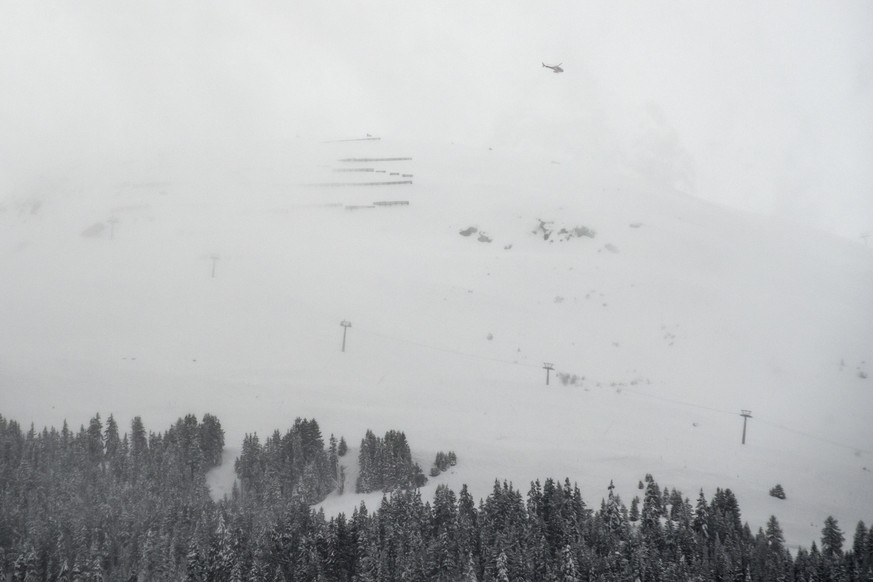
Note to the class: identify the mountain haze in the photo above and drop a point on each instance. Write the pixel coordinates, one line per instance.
(665, 315)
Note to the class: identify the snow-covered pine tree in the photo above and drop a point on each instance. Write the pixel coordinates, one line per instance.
(367, 455)
(569, 568)
(211, 437)
(611, 514)
(111, 440)
(858, 541)
(634, 515)
(726, 507)
(195, 566)
(831, 538)
(249, 466)
(675, 505)
(651, 506)
(700, 523)
(502, 571)
(138, 446)
(95, 439)
(775, 539)
(868, 551)
(469, 573)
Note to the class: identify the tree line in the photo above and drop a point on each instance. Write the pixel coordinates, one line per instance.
(91, 505)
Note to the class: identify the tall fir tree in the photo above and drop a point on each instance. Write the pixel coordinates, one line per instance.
(858, 541)
(502, 568)
(700, 523)
(652, 509)
(831, 538)
(634, 515)
(569, 568)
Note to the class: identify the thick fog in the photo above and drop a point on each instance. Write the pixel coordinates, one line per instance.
(551, 274)
(762, 106)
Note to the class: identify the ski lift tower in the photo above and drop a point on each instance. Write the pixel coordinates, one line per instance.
(746, 414)
(214, 258)
(548, 368)
(346, 325)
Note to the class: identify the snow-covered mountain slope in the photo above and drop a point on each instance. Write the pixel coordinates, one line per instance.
(672, 317)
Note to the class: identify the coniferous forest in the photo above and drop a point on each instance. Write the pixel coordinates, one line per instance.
(97, 504)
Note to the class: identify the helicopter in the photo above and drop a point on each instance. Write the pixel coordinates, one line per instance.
(555, 68)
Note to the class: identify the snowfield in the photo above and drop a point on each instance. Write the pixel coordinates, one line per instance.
(673, 317)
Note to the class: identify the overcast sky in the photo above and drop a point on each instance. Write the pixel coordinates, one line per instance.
(766, 106)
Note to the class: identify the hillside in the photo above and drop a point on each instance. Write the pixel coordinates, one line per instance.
(674, 316)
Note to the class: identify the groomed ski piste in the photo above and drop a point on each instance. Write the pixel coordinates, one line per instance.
(163, 289)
